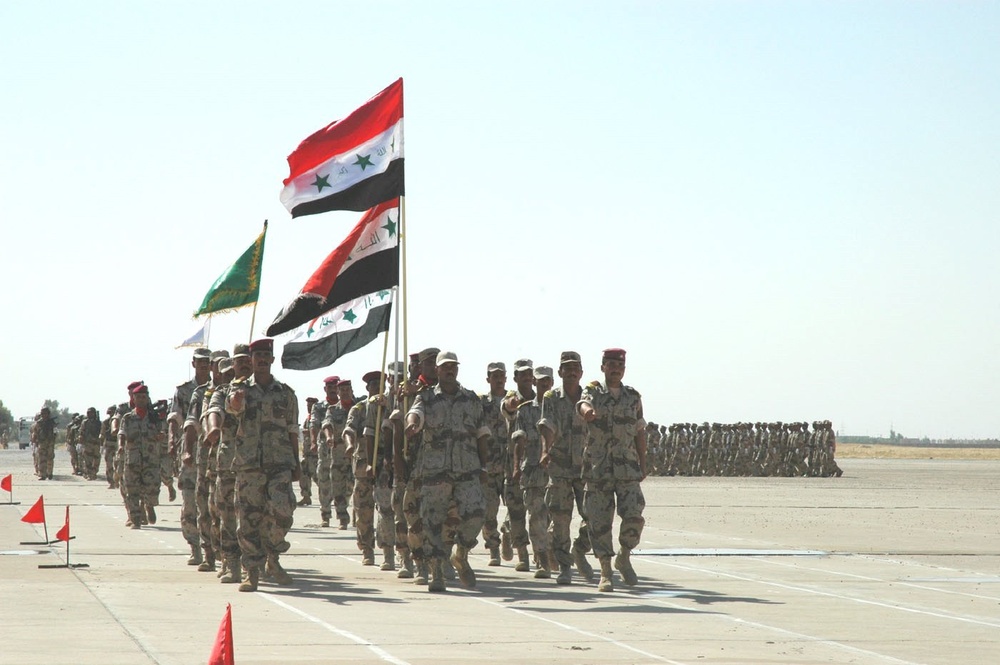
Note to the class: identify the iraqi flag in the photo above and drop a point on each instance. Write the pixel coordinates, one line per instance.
(365, 262)
(351, 164)
(338, 332)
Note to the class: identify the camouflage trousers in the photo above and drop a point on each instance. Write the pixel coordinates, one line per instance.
(415, 537)
(309, 462)
(109, 464)
(202, 496)
(364, 511)
(514, 524)
(46, 458)
(399, 517)
(141, 480)
(599, 503)
(560, 496)
(265, 503)
(166, 464)
(385, 527)
(437, 498)
(492, 491)
(225, 503)
(91, 460)
(334, 482)
(538, 519)
(187, 482)
(74, 457)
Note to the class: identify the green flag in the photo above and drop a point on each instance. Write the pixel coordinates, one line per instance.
(239, 285)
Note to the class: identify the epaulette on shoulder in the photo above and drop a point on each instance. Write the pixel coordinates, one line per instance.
(594, 384)
(511, 393)
(522, 405)
(550, 393)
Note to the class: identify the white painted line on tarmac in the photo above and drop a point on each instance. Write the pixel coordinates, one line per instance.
(580, 631)
(964, 580)
(374, 648)
(799, 636)
(913, 610)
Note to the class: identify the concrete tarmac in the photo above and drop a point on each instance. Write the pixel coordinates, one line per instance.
(896, 562)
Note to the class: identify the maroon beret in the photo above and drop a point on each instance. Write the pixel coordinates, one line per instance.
(332, 379)
(262, 344)
(614, 354)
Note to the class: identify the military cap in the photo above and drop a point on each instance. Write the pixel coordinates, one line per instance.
(141, 388)
(225, 364)
(397, 367)
(429, 353)
(569, 357)
(522, 364)
(446, 357)
(132, 386)
(331, 379)
(241, 350)
(614, 354)
(218, 355)
(374, 375)
(543, 371)
(111, 410)
(311, 400)
(91, 410)
(344, 382)
(200, 352)
(262, 344)
(414, 357)
(496, 367)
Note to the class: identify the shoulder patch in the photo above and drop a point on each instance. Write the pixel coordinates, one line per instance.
(550, 393)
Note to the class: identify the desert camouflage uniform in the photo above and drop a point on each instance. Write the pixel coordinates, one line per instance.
(448, 466)
(333, 473)
(72, 438)
(499, 451)
(612, 460)
(514, 523)
(110, 446)
(263, 460)
(565, 469)
(363, 496)
(187, 476)
(385, 527)
(90, 439)
(225, 483)
(141, 452)
(534, 479)
(45, 444)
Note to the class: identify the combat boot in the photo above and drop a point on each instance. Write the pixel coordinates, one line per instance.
(223, 566)
(565, 574)
(195, 558)
(344, 521)
(583, 565)
(325, 522)
(387, 560)
(208, 565)
(494, 556)
(449, 570)
(460, 560)
(522, 559)
(405, 566)
(304, 501)
(437, 576)
(606, 584)
(251, 576)
(171, 492)
(422, 573)
(233, 569)
(542, 571)
(274, 570)
(367, 557)
(506, 548)
(624, 565)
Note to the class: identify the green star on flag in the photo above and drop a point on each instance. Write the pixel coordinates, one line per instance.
(389, 226)
(321, 182)
(350, 316)
(363, 161)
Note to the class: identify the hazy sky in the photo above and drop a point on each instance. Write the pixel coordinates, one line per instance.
(782, 210)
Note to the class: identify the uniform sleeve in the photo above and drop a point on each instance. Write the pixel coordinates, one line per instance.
(549, 405)
(418, 409)
(293, 412)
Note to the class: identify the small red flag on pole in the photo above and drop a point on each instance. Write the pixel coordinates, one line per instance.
(222, 650)
(63, 533)
(36, 514)
(6, 483)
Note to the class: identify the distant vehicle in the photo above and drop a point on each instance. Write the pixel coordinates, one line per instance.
(24, 433)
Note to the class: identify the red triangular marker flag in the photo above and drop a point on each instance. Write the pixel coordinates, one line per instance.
(5, 483)
(36, 515)
(63, 533)
(222, 650)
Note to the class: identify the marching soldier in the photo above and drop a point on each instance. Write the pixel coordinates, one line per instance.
(140, 435)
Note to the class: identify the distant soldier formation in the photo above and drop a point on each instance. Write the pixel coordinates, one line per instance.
(743, 449)
(418, 464)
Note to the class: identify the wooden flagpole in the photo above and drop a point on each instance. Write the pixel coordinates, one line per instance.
(403, 232)
(378, 412)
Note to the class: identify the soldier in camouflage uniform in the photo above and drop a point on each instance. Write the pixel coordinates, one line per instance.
(90, 440)
(452, 465)
(530, 475)
(323, 447)
(616, 457)
(564, 437)
(377, 421)
(334, 422)
(72, 439)
(360, 454)
(310, 457)
(266, 461)
(187, 476)
(496, 377)
(109, 439)
(514, 532)
(140, 435)
(44, 438)
(225, 487)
